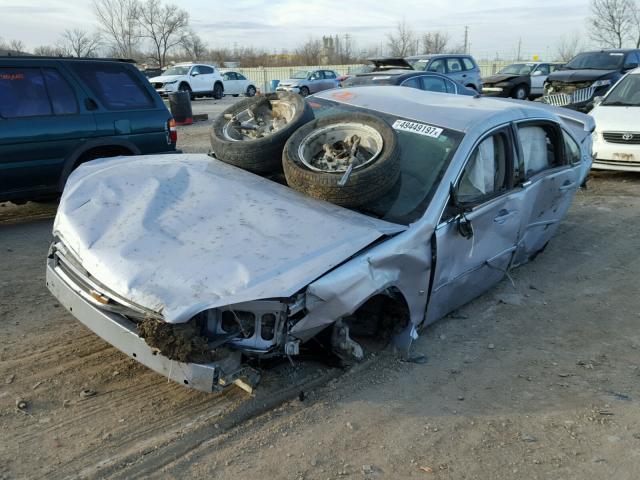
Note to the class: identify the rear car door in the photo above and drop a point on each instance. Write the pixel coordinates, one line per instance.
(316, 81)
(198, 80)
(42, 120)
(455, 69)
(549, 175)
(478, 233)
(127, 109)
(330, 79)
(230, 83)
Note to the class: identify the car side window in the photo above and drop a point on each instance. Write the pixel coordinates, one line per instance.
(206, 70)
(553, 68)
(467, 63)
(240, 77)
(540, 148)
(438, 65)
(315, 76)
(195, 70)
(571, 149)
(413, 82)
(23, 93)
(226, 76)
(450, 86)
(453, 65)
(114, 85)
(434, 84)
(485, 174)
(329, 74)
(63, 98)
(542, 69)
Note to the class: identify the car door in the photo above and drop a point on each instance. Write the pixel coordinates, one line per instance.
(549, 176)
(315, 81)
(243, 83)
(433, 83)
(43, 119)
(478, 231)
(230, 83)
(207, 78)
(330, 79)
(538, 77)
(455, 69)
(198, 80)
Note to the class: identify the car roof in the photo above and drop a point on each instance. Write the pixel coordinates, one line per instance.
(611, 50)
(456, 112)
(32, 58)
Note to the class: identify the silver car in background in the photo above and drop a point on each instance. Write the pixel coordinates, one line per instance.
(307, 82)
(460, 67)
(140, 253)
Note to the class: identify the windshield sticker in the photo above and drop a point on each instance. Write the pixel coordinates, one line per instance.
(419, 128)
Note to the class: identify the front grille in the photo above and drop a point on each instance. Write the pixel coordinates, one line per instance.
(629, 138)
(88, 287)
(157, 85)
(577, 96)
(618, 163)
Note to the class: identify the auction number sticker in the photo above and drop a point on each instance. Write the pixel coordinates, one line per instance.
(419, 128)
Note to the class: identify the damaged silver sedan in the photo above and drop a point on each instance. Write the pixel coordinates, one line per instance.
(196, 268)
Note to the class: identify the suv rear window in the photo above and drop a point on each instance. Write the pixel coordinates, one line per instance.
(115, 86)
(23, 93)
(467, 63)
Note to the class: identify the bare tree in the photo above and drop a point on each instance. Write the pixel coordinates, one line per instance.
(635, 22)
(164, 25)
(79, 43)
(49, 51)
(310, 52)
(17, 45)
(119, 24)
(568, 47)
(611, 21)
(435, 42)
(194, 47)
(403, 42)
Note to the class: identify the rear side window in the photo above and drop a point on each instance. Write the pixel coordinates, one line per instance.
(434, 84)
(437, 66)
(468, 64)
(63, 99)
(412, 83)
(571, 149)
(206, 70)
(453, 65)
(329, 74)
(23, 93)
(115, 86)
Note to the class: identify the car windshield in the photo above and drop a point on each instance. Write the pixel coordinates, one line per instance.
(596, 61)
(177, 71)
(626, 93)
(518, 69)
(300, 74)
(423, 162)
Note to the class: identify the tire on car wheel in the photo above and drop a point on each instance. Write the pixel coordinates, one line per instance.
(264, 154)
(218, 91)
(309, 166)
(520, 92)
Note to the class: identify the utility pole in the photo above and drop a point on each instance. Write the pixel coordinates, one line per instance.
(466, 39)
(519, 48)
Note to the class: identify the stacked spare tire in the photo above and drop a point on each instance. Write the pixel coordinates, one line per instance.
(349, 159)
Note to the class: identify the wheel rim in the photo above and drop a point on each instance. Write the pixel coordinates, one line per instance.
(304, 91)
(251, 91)
(331, 149)
(258, 122)
(520, 94)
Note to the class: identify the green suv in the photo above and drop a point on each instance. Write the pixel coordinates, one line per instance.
(56, 113)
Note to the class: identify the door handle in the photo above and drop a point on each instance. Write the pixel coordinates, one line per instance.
(567, 186)
(503, 215)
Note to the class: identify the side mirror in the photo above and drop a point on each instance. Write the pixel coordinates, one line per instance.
(537, 73)
(193, 74)
(630, 66)
(597, 101)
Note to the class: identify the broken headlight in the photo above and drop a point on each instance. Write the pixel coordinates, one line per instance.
(601, 83)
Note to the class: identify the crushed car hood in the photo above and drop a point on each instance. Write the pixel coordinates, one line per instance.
(575, 76)
(182, 233)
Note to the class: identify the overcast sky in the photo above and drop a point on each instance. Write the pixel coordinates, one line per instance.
(494, 26)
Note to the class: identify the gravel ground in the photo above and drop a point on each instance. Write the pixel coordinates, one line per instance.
(537, 379)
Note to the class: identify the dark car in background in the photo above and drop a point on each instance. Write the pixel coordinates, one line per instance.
(588, 75)
(429, 81)
(518, 80)
(56, 113)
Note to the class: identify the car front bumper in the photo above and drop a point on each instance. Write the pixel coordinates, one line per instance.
(122, 334)
(495, 92)
(615, 156)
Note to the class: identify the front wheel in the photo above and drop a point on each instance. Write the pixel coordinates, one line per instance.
(251, 91)
(520, 92)
(304, 91)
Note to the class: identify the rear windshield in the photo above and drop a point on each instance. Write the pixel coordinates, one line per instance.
(381, 79)
(596, 61)
(423, 163)
(626, 93)
(115, 86)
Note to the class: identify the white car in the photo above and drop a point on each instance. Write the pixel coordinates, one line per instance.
(616, 141)
(198, 79)
(237, 84)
